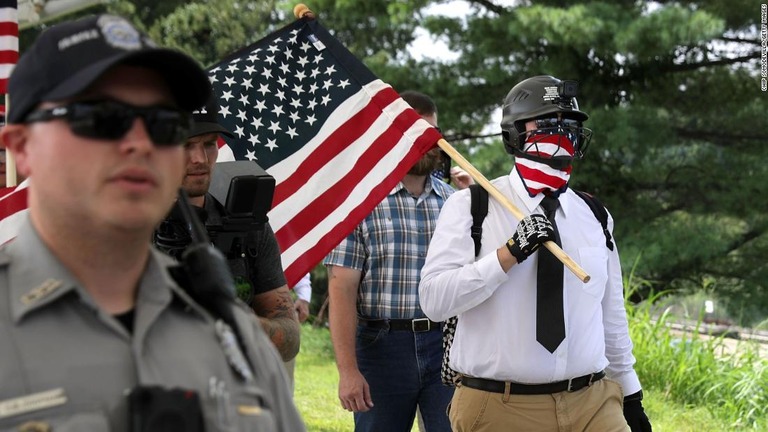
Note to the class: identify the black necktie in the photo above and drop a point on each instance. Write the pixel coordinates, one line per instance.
(550, 324)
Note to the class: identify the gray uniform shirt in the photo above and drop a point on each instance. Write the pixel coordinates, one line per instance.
(66, 363)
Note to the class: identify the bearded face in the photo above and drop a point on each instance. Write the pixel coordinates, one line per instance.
(428, 163)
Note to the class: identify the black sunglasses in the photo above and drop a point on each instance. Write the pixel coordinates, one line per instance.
(547, 123)
(111, 120)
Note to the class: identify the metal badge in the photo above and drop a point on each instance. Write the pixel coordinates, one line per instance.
(249, 410)
(119, 33)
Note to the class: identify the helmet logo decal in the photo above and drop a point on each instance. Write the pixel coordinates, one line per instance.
(550, 93)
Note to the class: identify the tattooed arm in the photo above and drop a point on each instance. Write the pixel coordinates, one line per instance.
(278, 317)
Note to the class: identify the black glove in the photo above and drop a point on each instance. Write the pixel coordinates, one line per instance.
(635, 414)
(532, 231)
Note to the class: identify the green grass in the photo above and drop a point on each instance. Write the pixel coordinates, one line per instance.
(725, 392)
(317, 382)
(687, 387)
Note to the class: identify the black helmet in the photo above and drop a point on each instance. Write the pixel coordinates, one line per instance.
(541, 97)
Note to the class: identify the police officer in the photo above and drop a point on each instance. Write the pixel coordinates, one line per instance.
(255, 260)
(96, 335)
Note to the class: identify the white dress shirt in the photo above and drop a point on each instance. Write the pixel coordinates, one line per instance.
(496, 333)
(303, 289)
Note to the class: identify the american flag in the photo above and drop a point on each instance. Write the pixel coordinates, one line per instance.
(9, 41)
(12, 201)
(335, 137)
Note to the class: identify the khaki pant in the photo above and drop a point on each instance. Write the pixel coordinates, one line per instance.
(597, 408)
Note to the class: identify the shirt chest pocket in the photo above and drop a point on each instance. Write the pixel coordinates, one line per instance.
(382, 235)
(594, 260)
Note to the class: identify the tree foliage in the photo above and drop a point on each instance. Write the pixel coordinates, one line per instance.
(672, 88)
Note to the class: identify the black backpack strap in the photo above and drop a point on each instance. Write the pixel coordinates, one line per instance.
(598, 209)
(479, 209)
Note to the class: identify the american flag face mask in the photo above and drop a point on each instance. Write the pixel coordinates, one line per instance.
(545, 164)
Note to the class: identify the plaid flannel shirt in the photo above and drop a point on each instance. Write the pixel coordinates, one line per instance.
(389, 247)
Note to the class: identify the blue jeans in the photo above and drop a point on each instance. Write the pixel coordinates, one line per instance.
(403, 370)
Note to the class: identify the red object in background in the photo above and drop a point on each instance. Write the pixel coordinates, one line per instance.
(9, 41)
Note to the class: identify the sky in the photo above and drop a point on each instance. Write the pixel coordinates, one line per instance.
(425, 46)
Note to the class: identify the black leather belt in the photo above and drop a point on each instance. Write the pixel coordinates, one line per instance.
(570, 385)
(415, 325)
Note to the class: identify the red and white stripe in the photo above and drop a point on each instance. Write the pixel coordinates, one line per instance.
(336, 179)
(13, 206)
(538, 176)
(9, 41)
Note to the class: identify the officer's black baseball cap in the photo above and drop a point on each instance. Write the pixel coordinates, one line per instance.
(205, 120)
(67, 58)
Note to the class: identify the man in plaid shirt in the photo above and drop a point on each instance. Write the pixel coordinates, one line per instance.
(387, 352)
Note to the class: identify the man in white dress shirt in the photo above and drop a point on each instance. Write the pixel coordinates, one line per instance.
(538, 350)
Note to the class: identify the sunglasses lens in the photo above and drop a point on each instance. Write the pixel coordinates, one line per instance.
(167, 127)
(554, 122)
(100, 121)
(546, 123)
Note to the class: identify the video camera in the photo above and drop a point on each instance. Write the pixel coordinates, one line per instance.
(568, 88)
(566, 94)
(244, 192)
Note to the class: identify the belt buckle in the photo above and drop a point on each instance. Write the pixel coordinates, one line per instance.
(416, 328)
(589, 383)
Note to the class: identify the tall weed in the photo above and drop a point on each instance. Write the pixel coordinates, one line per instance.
(698, 371)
